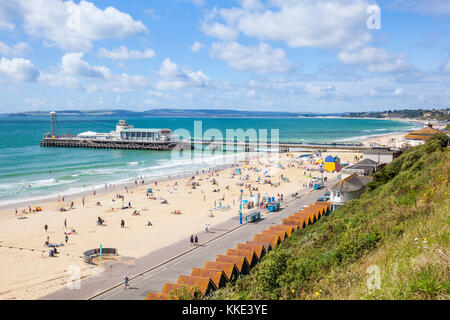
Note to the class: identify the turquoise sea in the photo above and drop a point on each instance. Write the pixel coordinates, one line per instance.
(31, 172)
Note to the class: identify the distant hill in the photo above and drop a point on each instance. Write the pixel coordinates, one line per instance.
(210, 113)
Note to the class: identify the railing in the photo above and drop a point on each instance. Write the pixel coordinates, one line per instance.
(300, 143)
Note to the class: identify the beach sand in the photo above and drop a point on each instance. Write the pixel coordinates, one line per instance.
(26, 274)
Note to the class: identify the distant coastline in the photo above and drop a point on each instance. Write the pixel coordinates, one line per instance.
(412, 116)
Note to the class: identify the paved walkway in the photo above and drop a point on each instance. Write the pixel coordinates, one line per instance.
(167, 264)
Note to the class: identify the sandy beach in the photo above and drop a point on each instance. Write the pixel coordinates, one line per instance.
(27, 271)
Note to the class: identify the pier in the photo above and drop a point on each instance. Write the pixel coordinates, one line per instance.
(130, 138)
(75, 142)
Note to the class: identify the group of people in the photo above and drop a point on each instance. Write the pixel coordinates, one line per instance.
(194, 240)
(53, 251)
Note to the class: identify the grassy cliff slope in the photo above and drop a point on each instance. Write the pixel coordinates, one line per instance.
(395, 237)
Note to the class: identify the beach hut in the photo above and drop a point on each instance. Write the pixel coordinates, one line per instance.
(332, 164)
(204, 284)
(249, 254)
(219, 278)
(230, 269)
(257, 248)
(266, 244)
(240, 262)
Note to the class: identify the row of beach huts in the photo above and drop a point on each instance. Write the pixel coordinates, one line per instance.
(239, 261)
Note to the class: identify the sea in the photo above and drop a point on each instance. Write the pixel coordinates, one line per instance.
(29, 172)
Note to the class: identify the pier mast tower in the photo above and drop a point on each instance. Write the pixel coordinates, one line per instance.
(52, 123)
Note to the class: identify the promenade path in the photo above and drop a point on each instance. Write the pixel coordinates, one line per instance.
(149, 273)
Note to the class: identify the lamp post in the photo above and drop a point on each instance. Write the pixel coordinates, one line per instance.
(240, 208)
(321, 170)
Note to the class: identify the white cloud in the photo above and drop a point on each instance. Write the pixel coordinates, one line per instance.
(72, 67)
(72, 64)
(152, 13)
(174, 78)
(9, 10)
(319, 91)
(196, 2)
(261, 59)
(19, 49)
(196, 46)
(334, 24)
(220, 31)
(18, 70)
(375, 60)
(250, 93)
(59, 79)
(154, 93)
(123, 53)
(126, 83)
(73, 27)
(398, 92)
(446, 66)
(34, 102)
(384, 92)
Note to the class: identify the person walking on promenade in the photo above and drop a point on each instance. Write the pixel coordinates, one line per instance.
(125, 282)
(196, 240)
(192, 239)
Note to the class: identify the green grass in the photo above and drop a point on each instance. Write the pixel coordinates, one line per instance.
(399, 226)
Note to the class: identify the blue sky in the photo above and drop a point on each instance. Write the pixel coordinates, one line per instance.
(291, 55)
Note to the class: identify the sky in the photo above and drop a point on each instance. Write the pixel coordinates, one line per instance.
(274, 55)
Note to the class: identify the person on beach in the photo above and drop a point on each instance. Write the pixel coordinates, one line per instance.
(67, 238)
(125, 281)
(65, 223)
(82, 200)
(46, 228)
(122, 223)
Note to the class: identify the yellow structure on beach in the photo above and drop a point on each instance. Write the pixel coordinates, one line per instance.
(332, 164)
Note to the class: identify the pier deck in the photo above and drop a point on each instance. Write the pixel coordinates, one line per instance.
(74, 142)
